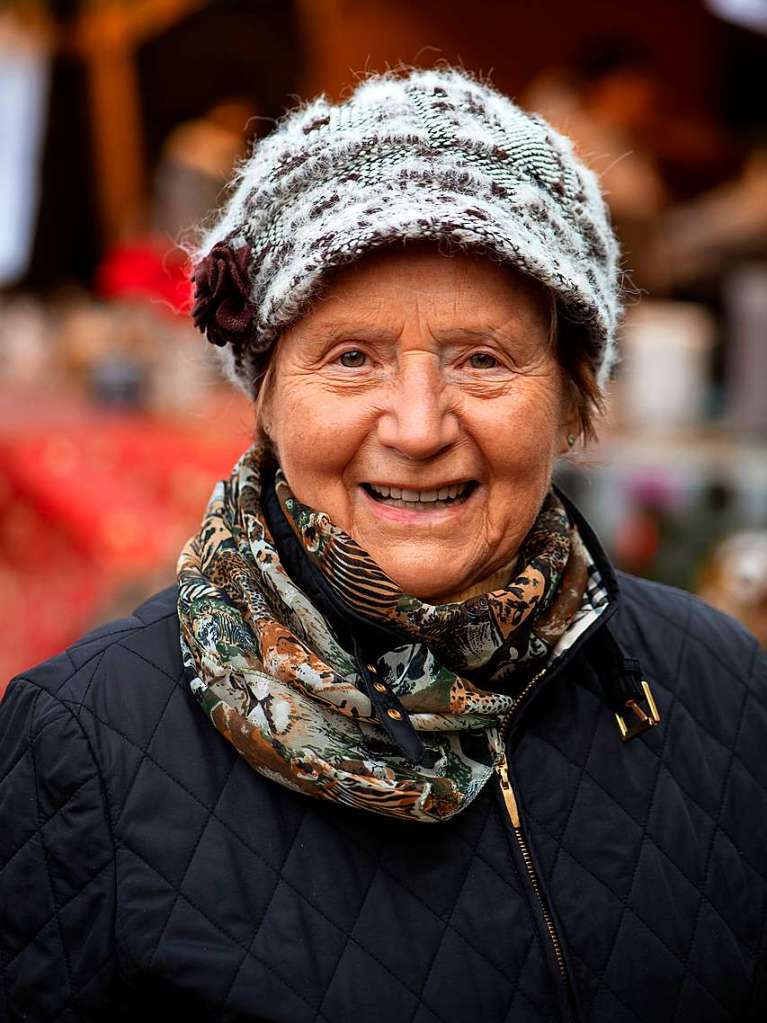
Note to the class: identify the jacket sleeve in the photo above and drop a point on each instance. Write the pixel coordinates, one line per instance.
(57, 884)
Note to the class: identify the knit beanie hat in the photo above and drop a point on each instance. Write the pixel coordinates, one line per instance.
(415, 155)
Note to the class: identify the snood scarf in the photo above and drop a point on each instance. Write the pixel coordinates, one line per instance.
(274, 678)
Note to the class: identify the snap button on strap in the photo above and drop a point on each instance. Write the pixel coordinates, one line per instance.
(389, 712)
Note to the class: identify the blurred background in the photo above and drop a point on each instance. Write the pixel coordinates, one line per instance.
(120, 121)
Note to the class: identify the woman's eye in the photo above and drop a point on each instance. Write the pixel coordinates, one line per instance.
(352, 359)
(482, 360)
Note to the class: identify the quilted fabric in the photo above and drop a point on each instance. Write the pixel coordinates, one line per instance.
(145, 868)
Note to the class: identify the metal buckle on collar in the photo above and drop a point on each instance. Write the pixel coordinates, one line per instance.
(643, 720)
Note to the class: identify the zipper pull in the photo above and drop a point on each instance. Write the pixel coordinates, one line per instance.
(502, 769)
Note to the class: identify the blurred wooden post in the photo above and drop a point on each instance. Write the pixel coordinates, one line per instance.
(107, 35)
(115, 111)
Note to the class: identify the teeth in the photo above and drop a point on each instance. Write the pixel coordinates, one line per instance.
(419, 496)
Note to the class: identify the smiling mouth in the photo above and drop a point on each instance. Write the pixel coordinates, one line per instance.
(421, 500)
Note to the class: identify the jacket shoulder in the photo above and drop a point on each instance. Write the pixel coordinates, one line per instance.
(145, 643)
(681, 638)
(663, 612)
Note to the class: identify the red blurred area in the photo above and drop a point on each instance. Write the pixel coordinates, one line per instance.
(149, 269)
(94, 507)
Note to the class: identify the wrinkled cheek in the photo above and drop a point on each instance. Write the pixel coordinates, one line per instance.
(520, 446)
(316, 441)
(531, 472)
(521, 467)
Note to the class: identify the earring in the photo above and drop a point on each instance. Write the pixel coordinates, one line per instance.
(571, 439)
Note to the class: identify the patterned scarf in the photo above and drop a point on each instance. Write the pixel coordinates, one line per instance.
(273, 677)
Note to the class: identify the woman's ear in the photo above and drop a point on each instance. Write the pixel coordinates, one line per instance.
(262, 422)
(263, 403)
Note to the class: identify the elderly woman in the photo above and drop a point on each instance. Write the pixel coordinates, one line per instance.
(386, 752)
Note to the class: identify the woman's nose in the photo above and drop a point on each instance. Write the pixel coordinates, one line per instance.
(418, 421)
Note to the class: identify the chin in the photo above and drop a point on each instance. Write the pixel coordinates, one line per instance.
(429, 596)
(428, 589)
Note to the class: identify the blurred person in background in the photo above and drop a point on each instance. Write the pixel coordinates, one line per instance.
(734, 579)
(196, 164)
(400, 744)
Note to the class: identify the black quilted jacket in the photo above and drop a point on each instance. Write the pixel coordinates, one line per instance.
(147, 870)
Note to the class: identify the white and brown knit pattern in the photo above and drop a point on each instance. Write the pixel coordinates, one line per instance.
(427, 155)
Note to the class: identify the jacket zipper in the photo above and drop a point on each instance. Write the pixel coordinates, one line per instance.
(510, 802)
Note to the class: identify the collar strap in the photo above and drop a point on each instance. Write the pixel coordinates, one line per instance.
(623, 688)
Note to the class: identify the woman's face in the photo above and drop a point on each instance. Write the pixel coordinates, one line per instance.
(420, 405)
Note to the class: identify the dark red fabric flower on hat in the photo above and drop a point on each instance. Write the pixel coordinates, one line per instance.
(222, 308)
